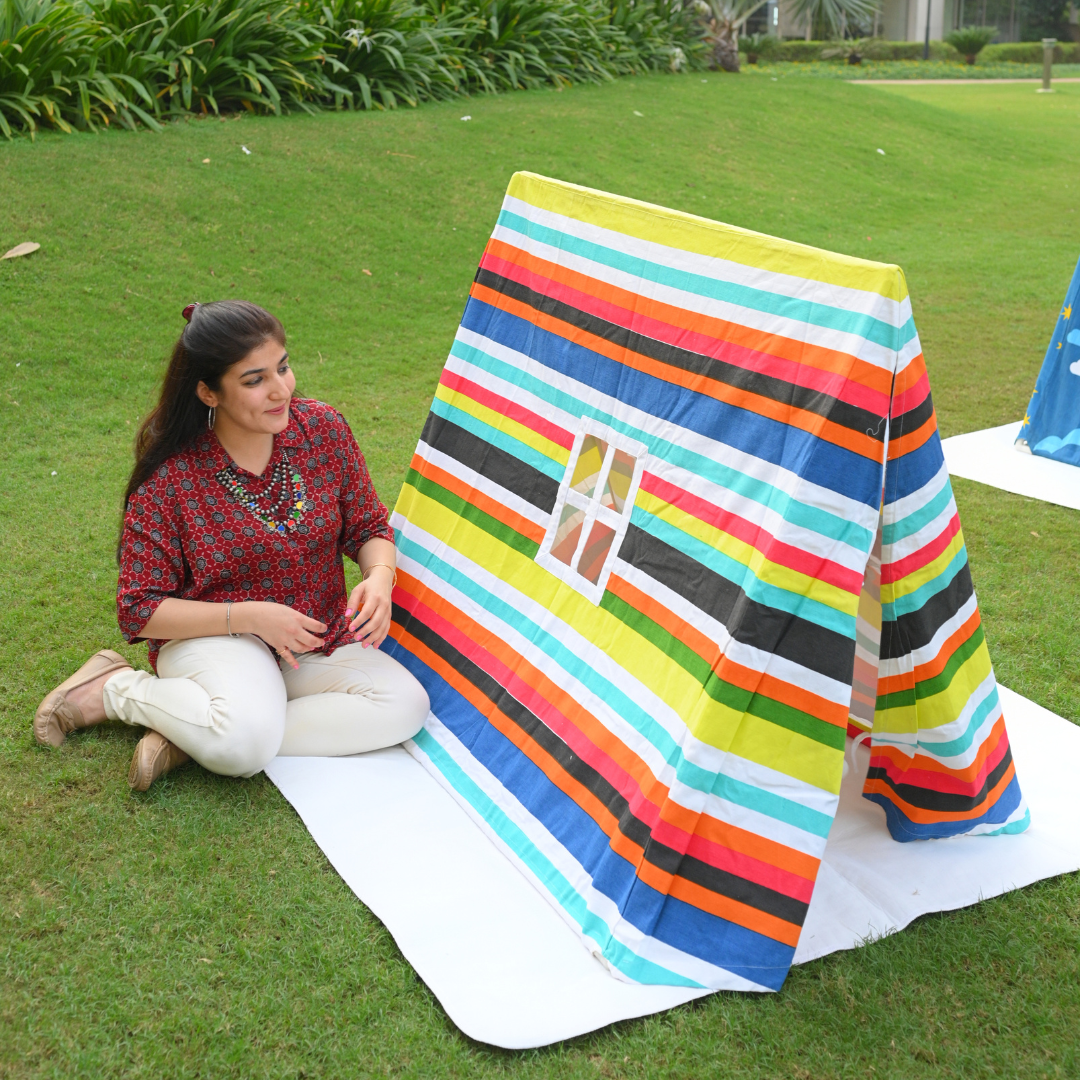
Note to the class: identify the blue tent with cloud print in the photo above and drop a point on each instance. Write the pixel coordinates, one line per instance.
(1051, 426)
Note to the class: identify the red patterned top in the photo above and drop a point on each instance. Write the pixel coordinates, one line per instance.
(186, 535)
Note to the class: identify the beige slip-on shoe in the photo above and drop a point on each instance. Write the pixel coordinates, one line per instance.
(153, 757)
(56, 717)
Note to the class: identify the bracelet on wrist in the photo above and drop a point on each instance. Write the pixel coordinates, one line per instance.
(392, 570)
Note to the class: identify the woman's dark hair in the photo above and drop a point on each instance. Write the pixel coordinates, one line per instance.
(217, 336)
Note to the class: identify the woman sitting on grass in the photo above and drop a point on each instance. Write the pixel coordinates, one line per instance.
(241, 503)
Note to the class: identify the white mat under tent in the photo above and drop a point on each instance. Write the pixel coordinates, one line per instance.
(511, 973)
(989, 457)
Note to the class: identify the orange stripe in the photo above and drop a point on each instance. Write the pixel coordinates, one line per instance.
(656, 792)
(492, 507)
(741, 914)
(929, 817)
(798, 352)
(925, 763)
(818, 426)
(722, 665)
(892, 684)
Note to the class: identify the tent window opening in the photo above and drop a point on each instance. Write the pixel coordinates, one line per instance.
(592, 512)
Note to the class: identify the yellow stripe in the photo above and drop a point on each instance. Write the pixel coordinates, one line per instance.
(739, 733)
(687, 232)
(893, 590)
(503, 423)
(782, 577)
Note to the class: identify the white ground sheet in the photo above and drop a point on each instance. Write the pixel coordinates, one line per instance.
(510, 972)
(989, 457)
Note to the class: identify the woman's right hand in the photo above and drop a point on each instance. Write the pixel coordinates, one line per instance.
(286, 630)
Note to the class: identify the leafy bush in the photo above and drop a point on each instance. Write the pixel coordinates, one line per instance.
(383, 53)
(659, 34)
(1028, 52)
(969, 41)
(51, 71)
(868, 48)
(758, 46)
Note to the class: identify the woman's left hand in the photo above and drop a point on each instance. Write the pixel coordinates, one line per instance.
(369, 607)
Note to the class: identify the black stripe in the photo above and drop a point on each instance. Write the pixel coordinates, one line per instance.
(766, 628)
(659, 855)
(914, 418)
(943, 802)
(768, 386)
(489, 461)
(916, 629)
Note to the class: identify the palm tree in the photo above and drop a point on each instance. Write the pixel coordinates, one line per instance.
(834, 15)
(725, 19)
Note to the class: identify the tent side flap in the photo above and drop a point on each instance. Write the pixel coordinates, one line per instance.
(633, 543)
(1051, 427)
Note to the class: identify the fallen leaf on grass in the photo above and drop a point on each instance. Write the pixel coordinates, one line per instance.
(466, 118)
(641, 114)
(1035, 534)
(881, 152)
(18, 250)
(205, 960)
(394, 153)
(365, 271)
(206, 161)
(245, 149)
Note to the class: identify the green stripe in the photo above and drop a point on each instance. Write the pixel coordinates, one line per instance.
(473, 514)
(734, 697)
(900, 699)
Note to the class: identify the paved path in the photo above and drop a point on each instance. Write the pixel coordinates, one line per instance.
(952, 82)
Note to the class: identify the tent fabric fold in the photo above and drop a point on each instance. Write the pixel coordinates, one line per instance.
(678, 522)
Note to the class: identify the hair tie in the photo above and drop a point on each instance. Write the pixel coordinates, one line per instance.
(189, 311)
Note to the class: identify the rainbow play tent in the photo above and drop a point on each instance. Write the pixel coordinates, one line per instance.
(678, 527)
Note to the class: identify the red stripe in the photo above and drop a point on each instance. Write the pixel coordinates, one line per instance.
(912, 397)
(775, 550)
(832, 383)
(944, 781)
(510, 409)
(745, 866)
(896, 571)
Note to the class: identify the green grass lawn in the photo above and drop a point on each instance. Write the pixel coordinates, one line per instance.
(197, 931)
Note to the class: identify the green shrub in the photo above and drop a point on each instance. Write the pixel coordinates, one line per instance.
(659, 34)
(384, 52)
(969, 41)
(54, 69)
(758, 46)
(869, 48)
(1028, 52)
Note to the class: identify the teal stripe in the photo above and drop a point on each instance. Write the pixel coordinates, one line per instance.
(691, 775)
(918, 519)
(913, 601)
(961, 744)
(568, 898)
(788, 307)
(1013, 827)
(734, 571)
(812, 518)
(540, 462)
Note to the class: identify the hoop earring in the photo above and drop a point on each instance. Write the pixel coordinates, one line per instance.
(211, 416)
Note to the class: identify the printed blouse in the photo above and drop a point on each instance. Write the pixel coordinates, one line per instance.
(198, 528)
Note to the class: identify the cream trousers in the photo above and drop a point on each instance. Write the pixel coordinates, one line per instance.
(233, 709)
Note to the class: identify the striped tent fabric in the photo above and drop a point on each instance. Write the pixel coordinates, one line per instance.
(679, 525)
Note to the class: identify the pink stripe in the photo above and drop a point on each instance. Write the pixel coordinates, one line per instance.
(756, 870)
(832, 383)
(932, 780)
(912, 397)
(775, 550)
(895, 571)
(508, 408)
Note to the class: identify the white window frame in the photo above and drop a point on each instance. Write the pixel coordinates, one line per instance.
(618, 522)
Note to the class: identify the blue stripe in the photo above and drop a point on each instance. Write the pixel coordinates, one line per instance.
(790, 509)
(669, 920)
(806, 311)
(791, 448)
(903, 829)
(914, 470)
(693, 776)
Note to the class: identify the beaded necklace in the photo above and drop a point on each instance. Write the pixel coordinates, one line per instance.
(291, 497)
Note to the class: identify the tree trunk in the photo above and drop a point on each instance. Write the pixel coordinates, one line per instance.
(725, 51)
